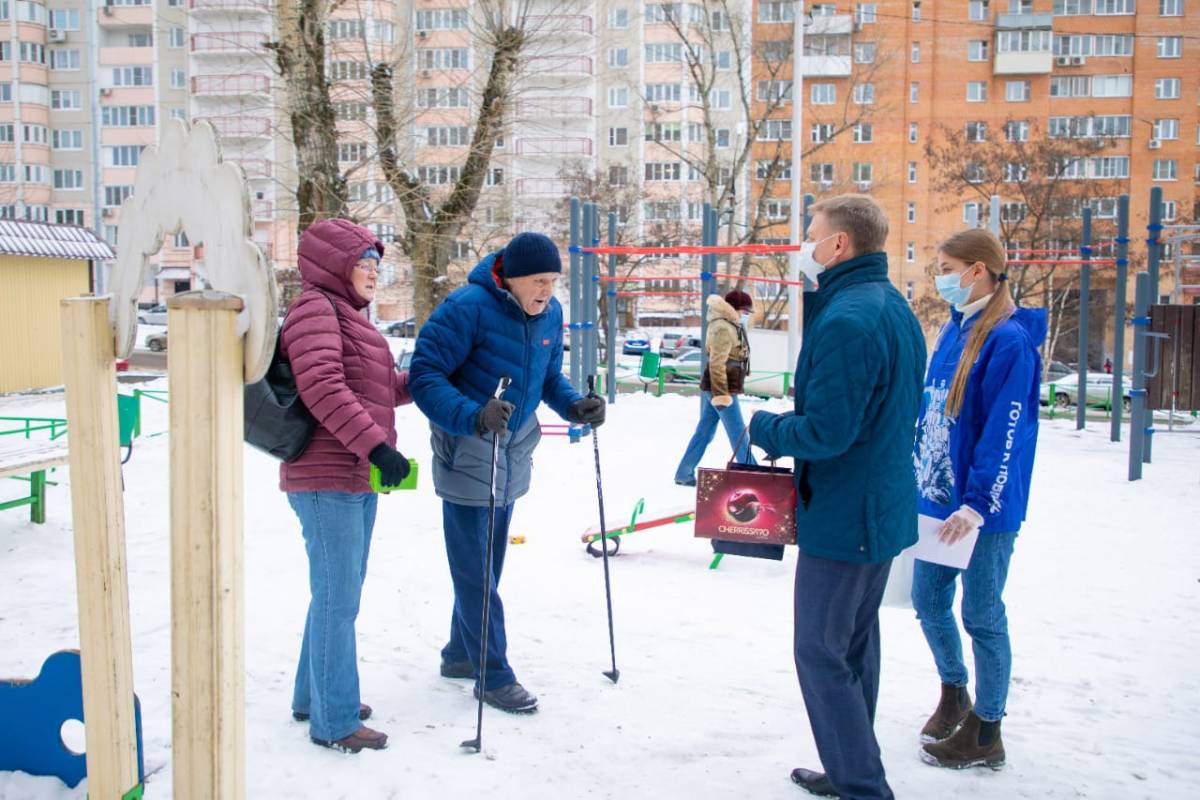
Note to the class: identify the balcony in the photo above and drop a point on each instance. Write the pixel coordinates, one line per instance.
(110, 16)
(263, 210)
(556, 107)
(548, 187)
(230, 6)
(254, 168)
(832, 25)
(567, 67)
(1023, 45)
(230, 85)
(560, 24)
(822, 66)
(240, 127)
(228, 43)
(554, 146)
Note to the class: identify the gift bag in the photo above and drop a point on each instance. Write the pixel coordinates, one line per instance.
(898, 591)
(747, 510)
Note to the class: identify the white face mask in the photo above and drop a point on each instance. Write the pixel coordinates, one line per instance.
(809, 265)
(745, 320)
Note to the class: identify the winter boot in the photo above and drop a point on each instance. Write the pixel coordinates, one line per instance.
(950, 712)
(512, 698)
(813, 782)
(457, 669)
(976, 744)
(362, 739)
(364, 713)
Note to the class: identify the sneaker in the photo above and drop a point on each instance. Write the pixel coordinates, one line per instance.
(457, 669)
(364, 713)
(513, 698)
(976, 744)
(362, 739)
(688, 482)
(951, 710)
(813, 782)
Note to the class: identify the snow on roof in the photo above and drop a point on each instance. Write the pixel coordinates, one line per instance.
(45, 240)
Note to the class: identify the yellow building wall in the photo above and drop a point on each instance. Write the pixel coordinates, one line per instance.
(30, 328)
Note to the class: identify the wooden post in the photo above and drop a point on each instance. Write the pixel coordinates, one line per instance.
(101, 578)
(207, 621)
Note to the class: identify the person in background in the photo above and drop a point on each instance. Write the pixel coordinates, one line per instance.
(728, 351)
(505, 321)
(976, 437)
(858, 388)
(348, 381)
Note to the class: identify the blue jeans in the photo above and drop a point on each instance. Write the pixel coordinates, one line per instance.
(337, 535)
(706, 429)
(983, 616)
(836, 642)
(465, 528)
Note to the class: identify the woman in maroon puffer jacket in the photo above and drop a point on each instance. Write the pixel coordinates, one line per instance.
(347, 379)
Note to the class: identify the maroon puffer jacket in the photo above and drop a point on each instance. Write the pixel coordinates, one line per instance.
(343, 367)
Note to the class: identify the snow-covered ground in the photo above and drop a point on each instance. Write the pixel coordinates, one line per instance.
(1103, 603)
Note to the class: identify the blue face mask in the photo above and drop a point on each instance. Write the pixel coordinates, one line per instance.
(951, 289)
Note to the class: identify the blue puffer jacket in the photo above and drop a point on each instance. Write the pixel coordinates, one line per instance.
(478, 334)
(858, 388)
(984, 458)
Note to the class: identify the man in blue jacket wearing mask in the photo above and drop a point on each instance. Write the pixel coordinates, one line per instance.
(505, 321)
(858, 389)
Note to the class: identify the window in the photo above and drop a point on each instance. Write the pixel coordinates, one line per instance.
(68, 216)
(1016, 91)
(133, 76)
(863, 173)
(353, 152)
(178, 78)
(618, 96)
(775, 130)
(1073, 45)
(864, 13)
(64, 59)
(619, 137)
(664, 171)
(441, 58)
(974, 172)
(976, 131)
(1112, 85)
(782, 168)
(618, 56)
(661, 211)
(662, 93)
(443, 136)
(1117, 44)
(1170, 8)
(821, 173)
(913, 132)
(916, 11)
(1110, 167)
(914, 91)
(664, 53)
(495, 176)
(977, 50)
(441, 175)
(176, 37)
(351, 70)
(722, 137)
(914, 54)
(1072, 8)
(1015, 172)
(1023, 41)
(777, 209)
(126, 155)
(385, 31)
(66, 139)
(864, 53)
(1170, 210)
(347, 28)
(1166, 129)
(663, 12)
(910, 252)
(432, 97)
(722, 99)
(912, 172)
(772, 12)
(6, 133)
(127, 116)
(1170, 47)
(976, 91)
(34, 134)
(442, 19)
(719, 20)
(724, 60)
(1016, 131)
(64, 19)
(618, 17)
(1166, 88)
(1114, 7)
(823, 94)
(977, 10)
(775, 91)
(910, 291)
(8, 173)
(1165, 169)
(1013, 212)
(68, 179)
(64, 100)
(864, 93)
(618, 176)
(972, 212)
(6, 92)
(912, 213)
(821, 132)
(864, 133)
(115, 195)
(355, 112)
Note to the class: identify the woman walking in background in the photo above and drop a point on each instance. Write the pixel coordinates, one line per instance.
(976, 436)
(347, 379)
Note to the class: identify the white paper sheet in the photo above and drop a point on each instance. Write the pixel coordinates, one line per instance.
(930, 548)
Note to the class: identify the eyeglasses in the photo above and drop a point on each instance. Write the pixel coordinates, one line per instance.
(370, 266)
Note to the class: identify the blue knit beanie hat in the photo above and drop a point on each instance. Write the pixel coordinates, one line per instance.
(530, 254)
(370, 252)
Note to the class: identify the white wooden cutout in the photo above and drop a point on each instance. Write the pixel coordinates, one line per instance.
(183, 185)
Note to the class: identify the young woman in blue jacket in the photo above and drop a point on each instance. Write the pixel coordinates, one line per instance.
(976, 436)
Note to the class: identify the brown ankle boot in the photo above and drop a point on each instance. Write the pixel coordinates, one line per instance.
(362, 739)
(976, 744)
(950, 712)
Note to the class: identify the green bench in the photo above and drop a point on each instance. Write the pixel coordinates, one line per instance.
(19, 458)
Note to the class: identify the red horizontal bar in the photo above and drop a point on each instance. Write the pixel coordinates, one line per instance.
(658, 294)
(606, 279)
(755, 279)
(692, 250)
(1049, 262)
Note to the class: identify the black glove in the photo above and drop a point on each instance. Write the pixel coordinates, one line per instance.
(588, 411)
(494, 417)
(393, 467)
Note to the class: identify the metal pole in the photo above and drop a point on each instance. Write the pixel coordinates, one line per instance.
(707, 236)
(808, 285)
(610, 379)
(585, 295)
(1118, 373)
(994, 215)
(1137, 426)
(1085, 285)
(1153, 256)
(796, 235)
(576, 295)
(593, 303)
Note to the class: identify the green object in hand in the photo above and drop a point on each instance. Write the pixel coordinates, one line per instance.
(408, 483)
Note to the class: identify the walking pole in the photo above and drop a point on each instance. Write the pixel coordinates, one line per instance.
(612, 646)
(477, 742)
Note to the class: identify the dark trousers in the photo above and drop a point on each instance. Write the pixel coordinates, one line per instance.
(465, 528)
(837, 661)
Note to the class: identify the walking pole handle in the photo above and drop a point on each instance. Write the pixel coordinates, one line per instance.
(505, 380)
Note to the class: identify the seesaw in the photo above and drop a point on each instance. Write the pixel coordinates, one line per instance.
(592, 534)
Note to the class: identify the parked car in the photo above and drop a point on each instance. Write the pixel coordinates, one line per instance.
(675, 343)
(157, 342)
(154, 315)
(1099, 389)
(404, 360)
(686, 366)
(636, 343)
(1057, 369)
(406, 328)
